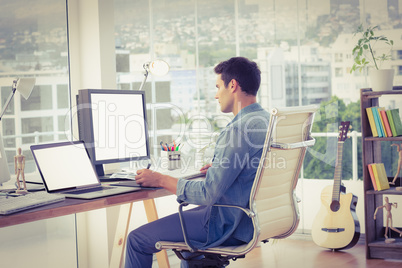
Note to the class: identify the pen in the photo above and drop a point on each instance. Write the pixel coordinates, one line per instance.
(149, 165)
(163, 147)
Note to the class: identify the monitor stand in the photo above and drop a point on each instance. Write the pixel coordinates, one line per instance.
(99, 170)
(110, 169)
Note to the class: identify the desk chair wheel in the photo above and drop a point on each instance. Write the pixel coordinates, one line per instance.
(207, 260)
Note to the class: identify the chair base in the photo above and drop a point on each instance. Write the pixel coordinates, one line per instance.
(205, 260)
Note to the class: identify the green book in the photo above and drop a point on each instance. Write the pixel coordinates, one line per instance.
(391, 122)
(397, 121)
(382, 177)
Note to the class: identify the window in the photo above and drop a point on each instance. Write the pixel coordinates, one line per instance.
(312, 47)
(338, 72)
(399, 54)
(33, 45)
(338, 57)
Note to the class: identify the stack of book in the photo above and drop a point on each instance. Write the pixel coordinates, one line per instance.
(378, 176)
(384, 123)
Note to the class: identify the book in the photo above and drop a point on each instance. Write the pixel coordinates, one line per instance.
(397, 121)
(370, 169)
(371, 121)
(384, 132)
(375, 173)
(377, 121)
(382, 177)
(386, 123)
(391, 123)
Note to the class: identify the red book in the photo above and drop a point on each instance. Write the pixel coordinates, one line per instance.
(386, 123)
(372, 176)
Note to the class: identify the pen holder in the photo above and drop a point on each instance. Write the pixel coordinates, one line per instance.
(170, 160)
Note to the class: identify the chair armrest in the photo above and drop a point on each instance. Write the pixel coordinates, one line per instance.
(249, 213)
(288, 146)
(191, 248)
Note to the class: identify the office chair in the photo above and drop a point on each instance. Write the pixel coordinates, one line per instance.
(273, 204)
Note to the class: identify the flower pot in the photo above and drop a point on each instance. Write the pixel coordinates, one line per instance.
(381, 80)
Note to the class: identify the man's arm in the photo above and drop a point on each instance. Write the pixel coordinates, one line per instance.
(231, 149)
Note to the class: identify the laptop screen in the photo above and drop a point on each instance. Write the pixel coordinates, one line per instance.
(64, 165)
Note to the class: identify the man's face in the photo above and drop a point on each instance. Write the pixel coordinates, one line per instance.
(224, 95)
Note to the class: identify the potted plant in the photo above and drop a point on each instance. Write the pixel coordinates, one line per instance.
(364, 56)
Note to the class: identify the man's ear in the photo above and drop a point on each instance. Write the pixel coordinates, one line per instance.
(233, 85)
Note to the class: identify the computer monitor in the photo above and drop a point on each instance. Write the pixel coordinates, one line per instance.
(113, 124)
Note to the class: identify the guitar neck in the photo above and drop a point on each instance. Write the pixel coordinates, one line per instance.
(338, 173)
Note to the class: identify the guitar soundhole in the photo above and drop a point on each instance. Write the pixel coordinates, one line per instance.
(335, 205)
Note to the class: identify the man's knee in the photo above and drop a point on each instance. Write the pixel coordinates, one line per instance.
(141, 242)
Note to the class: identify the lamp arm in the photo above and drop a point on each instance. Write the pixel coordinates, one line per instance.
(14, 88)
(143, 81)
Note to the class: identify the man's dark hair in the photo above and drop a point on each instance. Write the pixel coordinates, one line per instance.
(244, 71)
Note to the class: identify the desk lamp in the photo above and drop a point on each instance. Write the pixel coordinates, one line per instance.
(156, 67)
(24, 86)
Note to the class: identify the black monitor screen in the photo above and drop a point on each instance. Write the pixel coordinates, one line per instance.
(113, 125)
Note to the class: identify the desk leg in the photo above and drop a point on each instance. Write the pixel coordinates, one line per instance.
(121, 235)
(152, 215)
(123, 223)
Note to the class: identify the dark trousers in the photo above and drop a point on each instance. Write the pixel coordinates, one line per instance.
(141, 241)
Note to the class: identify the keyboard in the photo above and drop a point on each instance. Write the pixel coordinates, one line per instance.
(10, 204)
(129, 177)
(189, 173)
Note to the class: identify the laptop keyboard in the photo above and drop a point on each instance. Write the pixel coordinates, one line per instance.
(10, 204)
(89, 190)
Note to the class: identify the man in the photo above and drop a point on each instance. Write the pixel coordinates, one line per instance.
(228, 179)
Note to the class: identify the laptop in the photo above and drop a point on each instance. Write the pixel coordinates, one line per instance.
(66, 169)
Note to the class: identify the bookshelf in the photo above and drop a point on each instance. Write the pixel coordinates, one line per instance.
(375, 241)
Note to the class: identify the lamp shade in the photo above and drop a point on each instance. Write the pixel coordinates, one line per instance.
(25, 86)
(158, 67)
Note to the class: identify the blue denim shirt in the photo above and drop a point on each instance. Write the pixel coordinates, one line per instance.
(230, 178)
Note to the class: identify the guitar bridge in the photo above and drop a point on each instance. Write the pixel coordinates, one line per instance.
(333, 230)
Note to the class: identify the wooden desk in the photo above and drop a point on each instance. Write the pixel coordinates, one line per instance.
(72, 206)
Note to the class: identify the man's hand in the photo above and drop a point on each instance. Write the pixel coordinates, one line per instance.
(204, 169)
(149, 178)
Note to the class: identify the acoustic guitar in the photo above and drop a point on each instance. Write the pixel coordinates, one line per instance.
(336, 225)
